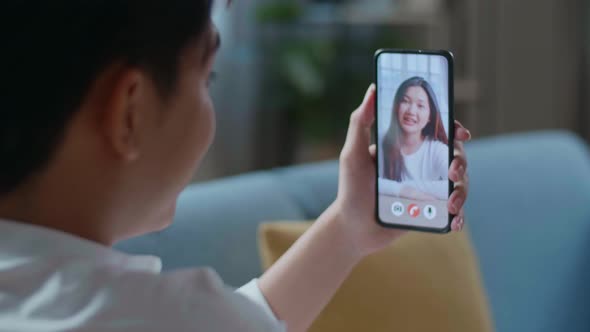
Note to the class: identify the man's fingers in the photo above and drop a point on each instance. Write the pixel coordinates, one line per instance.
(373, 151)
(457, 169)
(461, 133)
(457, 199)
(458, 174)
(458, 222)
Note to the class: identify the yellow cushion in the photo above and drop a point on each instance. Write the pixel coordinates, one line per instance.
(422, 282)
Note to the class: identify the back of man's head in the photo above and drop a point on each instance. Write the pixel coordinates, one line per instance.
(52, 52)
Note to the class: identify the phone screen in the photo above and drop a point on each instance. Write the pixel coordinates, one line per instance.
(412, 137)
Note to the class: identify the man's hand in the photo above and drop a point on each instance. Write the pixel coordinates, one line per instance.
(355, 203)
(304, 279)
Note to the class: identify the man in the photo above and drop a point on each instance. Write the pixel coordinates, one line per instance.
(106, 114)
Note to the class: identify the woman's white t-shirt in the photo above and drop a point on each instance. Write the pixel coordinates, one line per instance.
(426, 170)
(52, 281)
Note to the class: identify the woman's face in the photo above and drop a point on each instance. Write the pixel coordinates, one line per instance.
(414, 110)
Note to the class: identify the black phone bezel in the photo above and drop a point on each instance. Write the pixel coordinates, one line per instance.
(450, 60)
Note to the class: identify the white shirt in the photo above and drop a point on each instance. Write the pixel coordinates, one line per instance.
(53, 281)
(426, 170)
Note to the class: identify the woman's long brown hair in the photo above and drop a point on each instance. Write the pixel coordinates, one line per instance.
(393, 163)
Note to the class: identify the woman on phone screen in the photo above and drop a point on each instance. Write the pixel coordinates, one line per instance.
(415, 147)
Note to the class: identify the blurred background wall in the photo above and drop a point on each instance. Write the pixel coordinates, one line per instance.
(291, 71)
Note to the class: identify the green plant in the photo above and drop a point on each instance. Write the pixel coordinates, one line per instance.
(280, 11)
(315, 79)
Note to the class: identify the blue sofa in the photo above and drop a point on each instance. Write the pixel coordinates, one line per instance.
(528, 214)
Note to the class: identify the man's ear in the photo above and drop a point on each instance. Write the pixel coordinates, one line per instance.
(122, 117)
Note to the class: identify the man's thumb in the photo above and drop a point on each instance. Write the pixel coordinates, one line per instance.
(361, 120)
(367, 108)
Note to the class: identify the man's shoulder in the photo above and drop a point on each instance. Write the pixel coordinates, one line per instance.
(103, 296)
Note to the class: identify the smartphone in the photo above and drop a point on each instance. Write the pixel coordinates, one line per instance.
(414, 137)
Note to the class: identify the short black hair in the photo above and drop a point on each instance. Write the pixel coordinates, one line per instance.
(53, 50)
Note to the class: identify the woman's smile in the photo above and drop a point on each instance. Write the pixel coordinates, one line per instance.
(409, 120)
